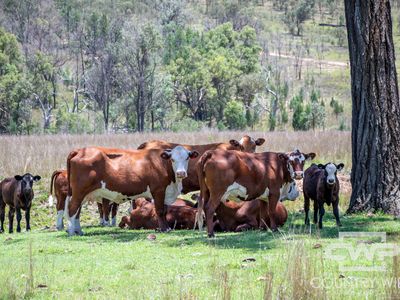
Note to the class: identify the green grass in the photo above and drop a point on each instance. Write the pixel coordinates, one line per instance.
(111, 263)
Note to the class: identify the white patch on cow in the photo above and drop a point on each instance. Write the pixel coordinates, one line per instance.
(72, 224)
(330, 173)
(172, 191)
(289, 191)
(101, 221)
(78, 228)
(113, 196)
(105, 222)
(59, 223)
(51, 201)
(291, 170)
(103, 184)
(233, 191)
(114, 222)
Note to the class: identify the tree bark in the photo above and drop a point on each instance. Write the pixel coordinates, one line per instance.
(376, 108)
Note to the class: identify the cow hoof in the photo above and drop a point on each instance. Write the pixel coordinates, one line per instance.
(211, 235)
(80, 233)
(339, 224)
(19, 230)
(60, 228)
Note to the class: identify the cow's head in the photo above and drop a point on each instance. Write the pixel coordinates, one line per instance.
(179, 157)
(26, 181)
(330, 172)
(296, 162)
(247, 144)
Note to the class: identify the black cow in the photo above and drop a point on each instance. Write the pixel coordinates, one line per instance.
(322, 186)
(17, 193)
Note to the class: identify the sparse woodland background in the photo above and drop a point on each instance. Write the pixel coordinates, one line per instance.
(94, 66)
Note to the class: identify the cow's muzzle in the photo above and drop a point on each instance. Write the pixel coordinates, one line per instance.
(181, 174)
(331, 181)
(298, 175)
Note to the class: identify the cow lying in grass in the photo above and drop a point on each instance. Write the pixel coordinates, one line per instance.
(322, 186)
(17, 193)
(234, 216)
(180, 215)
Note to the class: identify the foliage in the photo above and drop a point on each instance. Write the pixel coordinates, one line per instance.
(296, 13)
(234, 115)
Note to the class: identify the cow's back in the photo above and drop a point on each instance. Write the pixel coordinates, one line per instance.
(310, 181)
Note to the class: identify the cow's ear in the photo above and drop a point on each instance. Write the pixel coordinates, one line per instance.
(193, 154)
(321, 166)
(283, 156)
(340, 166)
(36, 178)
(166, 154)
(310, 156)
(234, 143)
(260, 141)
(18, 177)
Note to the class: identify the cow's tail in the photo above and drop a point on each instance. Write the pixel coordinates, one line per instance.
(53, 176)
(203, 189)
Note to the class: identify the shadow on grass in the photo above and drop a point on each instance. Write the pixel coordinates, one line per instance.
(253, 240)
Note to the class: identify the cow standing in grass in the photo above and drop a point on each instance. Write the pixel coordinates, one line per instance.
(124, 175)
(59, 183)
(17, 193)
(247, 176)
(322, 186)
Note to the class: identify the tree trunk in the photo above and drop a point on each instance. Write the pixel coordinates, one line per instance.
(376, 108)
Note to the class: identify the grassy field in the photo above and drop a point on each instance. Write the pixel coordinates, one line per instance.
(111, 263)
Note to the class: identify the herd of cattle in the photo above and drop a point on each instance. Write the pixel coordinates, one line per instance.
(239, 189)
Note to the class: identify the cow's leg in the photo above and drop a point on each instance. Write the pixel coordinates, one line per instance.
(2, 214)
(316, 211)
(101, 214)
(72, 207)
(336, 213)
(161, 211)
(114, 212)
(11, 219)
(60, 205)
(106, 212)
(209, 207)
(321, 214)
(263, 214)
(273, 200)
(78, 229)
(19, 217)
(28, 219)
(306, 210)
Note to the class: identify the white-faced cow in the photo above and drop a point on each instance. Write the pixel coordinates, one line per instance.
(124, 175)
(191, 182)
(247, 176)
(322, 186)
(17, 193)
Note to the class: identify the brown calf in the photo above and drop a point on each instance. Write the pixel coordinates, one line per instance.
(247, 176)
(17, 193)
(191, 182)
(322, 186)
(144, 216)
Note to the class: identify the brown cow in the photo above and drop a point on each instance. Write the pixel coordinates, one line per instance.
(18, 194)
(234, 216)
(124, 175)
(191, 182)
(322, 186)
(59, 180)
(144, 216)
(247, 176)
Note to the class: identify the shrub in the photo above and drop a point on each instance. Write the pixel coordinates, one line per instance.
(234, 115)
